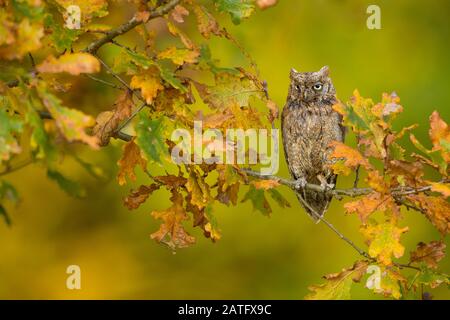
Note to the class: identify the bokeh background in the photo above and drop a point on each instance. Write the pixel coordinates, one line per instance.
(257, 257)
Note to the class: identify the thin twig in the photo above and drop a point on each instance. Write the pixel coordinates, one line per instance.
(112, 85)
(115, 75)
(355, 183)
(131, 117)
(333, 228)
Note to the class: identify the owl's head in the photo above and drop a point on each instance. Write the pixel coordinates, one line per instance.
(311, 87)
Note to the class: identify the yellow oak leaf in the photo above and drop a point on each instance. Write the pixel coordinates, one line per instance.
(73, 63)
(149, 85)
(198, 188)
(384, 241)
(179, 56)
(71, 122)
(338, 285)
(20, 39)
(442, 188)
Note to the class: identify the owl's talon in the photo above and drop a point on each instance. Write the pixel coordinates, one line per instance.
(327, 186)
(300, 183)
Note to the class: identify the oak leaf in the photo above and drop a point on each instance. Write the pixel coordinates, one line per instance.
(179, 56)
(429, 253)
(384, 241)
(107, 122)
(338, 285)
(131, 158)
(436, 209)
(73, 63)
(140, 195)
(178, 13)
(149, 85)
(71, 122)
(171, 231)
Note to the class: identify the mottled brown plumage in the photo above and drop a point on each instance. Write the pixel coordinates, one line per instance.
(309, 124)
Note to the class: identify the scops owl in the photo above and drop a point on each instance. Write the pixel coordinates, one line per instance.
(309, 124)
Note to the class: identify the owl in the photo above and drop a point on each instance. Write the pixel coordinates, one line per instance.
(309, 124)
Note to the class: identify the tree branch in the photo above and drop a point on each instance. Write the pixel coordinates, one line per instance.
(129, 25)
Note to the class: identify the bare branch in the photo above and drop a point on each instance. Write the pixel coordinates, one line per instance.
(333, 228)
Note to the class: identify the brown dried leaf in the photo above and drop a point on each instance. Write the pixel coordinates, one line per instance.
(207, 24)
(109, 121)
(430, 253)
(171, 231)
(139, 196)
(131, 157)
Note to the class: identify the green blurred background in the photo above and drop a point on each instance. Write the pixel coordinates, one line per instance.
(257, 257)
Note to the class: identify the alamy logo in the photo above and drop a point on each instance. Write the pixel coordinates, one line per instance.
(374, 280)
(72, 17)
(374, 20)
(73, 281)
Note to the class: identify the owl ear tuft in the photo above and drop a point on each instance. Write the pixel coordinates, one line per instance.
(325, 71)
(294, 72)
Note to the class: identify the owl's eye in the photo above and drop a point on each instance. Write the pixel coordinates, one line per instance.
(318, 86)
(297, 87)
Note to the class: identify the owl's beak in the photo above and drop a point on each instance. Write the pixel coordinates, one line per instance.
(305, 95)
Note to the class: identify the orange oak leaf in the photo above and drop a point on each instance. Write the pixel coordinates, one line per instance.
(149, 84)
(367, 205)
(131, 157)
(179, 56)
(436, 209)
(351, 158)
(265, 184)
(442, 188)
(171, 231)
(439, 135)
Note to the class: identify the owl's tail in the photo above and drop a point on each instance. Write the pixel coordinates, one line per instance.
(317, 201)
